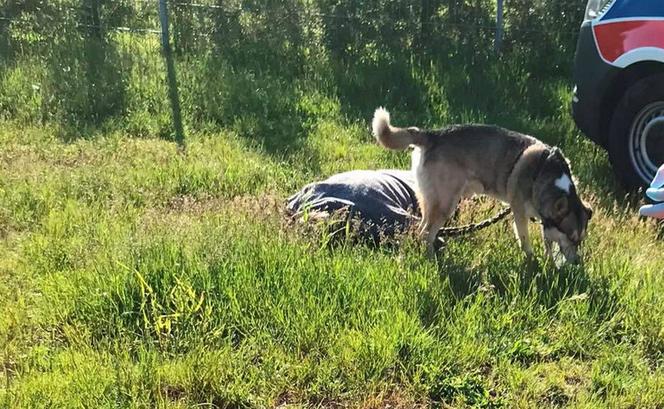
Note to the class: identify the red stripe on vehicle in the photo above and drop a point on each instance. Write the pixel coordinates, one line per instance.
(617, 38)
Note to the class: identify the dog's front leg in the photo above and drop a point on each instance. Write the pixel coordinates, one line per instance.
(548, 246)
(521, 230)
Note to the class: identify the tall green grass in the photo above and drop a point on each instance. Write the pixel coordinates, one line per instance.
(133, 276)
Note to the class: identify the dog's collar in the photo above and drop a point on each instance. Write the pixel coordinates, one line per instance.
(540, 163)
(547, 222)
(516, 160)
(546, 152)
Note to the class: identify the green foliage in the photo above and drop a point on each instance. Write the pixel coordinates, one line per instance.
(246, 65)
(177, 283)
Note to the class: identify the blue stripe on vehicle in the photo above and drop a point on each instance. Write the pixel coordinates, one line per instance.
(635, 8)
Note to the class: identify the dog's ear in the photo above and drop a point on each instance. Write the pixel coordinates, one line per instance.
(589, 209)
(560, 206)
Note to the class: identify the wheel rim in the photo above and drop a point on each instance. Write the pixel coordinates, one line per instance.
(646, 141)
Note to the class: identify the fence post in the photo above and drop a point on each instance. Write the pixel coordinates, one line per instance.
(172, 82)
(499, 27)
(96, 19)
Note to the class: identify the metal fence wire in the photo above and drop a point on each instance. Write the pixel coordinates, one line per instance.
(83, 62)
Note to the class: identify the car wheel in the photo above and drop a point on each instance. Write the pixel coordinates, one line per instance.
(636, 138)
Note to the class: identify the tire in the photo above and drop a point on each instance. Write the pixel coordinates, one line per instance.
(636, 135)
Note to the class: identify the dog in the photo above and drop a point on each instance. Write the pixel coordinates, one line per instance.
(461, 160)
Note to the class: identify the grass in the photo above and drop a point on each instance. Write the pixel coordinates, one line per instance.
(133, 276)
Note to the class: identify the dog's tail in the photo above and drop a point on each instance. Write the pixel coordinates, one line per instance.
(392, 137)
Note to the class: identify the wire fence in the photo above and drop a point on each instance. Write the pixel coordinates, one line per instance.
(367, 18)
(91, 60)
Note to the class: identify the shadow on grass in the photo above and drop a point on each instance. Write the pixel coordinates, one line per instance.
(261, 107)
(440, 92)
(457, 281)
(510, 278)
(79, 83)
(85, 79)
(548, 285)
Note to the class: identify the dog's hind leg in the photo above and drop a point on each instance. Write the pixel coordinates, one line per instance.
(437, 214)
(435, 219)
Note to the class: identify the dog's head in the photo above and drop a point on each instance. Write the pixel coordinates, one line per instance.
(564, 215)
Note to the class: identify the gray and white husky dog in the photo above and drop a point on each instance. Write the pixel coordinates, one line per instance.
(461, 160)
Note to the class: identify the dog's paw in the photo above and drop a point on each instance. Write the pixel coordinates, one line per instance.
(431, 253)
(532, 263)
